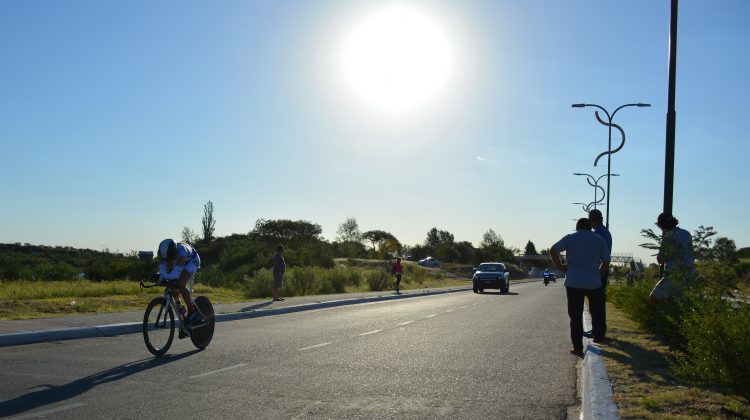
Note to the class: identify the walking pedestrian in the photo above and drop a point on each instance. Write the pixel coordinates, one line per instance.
(587, 259)
(676, 258)
(595, 217)
(398, 270)
(279, 267)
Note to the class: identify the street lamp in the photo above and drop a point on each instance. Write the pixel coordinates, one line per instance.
(586, 207)
(609, 151)
(594, 182)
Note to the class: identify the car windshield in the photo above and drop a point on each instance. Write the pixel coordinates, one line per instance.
(490, 267)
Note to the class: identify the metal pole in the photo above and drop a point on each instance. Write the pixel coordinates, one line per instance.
(671, 113)
(609, 162)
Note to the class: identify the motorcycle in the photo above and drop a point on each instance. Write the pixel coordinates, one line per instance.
(548, 277)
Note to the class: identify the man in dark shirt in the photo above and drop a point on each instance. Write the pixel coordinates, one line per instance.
(279, 267)
(595, 216)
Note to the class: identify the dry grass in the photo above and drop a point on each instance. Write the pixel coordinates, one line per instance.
(644, 388)
(23, 300)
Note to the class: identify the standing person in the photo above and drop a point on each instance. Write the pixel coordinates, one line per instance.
(595, 217)
(676, 258)
(398, 270)
(587, 259)
(279, 267)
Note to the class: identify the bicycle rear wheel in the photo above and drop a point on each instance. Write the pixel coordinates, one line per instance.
(158, 326)
(202, 334)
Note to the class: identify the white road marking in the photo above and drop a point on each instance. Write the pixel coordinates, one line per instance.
(406, 323)
(314, 346)
(430, 316)
(217, 371)
(370, 332)
(464, 307)
(45, 413)
(449, 310)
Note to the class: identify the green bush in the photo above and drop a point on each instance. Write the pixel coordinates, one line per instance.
(300, 282)
(260, 284)
(378, 280)
(710, 332)
(717, 347)
(336, 280)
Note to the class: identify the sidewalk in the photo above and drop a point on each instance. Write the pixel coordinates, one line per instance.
(596, 393)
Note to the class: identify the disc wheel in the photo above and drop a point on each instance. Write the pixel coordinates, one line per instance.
(158, 326)
(202, 334)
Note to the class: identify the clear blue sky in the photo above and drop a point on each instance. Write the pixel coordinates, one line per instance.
(119, 120)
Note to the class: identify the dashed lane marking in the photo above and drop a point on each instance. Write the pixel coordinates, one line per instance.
(217, 371)
(370, 332)
(431, 316)
(314, 346)
(406, 323)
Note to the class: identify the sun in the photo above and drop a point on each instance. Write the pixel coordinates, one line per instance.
(398, 60)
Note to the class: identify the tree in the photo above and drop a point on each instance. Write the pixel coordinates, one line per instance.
(285, 230)
(349, 231)
(375, 237)
(436, 238)
(208, 222)
(725, 250)
(491, 239)
(530, 249)
(188, 236)
(702, 243)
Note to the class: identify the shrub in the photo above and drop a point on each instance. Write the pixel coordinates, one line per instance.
(212, 276)
(260, 284)
(717, 335)
(301, 281)
(378, 280)
(335, 280)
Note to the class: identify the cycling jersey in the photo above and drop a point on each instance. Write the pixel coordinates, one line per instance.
(186, 258)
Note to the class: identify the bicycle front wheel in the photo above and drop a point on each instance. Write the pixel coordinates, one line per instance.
(158, 326)
(201, 335)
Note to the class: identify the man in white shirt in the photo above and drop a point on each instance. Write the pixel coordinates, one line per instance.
(587, 259)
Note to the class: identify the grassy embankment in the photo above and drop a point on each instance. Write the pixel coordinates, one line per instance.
(34, 299)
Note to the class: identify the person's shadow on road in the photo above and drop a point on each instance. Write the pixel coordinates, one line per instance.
(50, 394)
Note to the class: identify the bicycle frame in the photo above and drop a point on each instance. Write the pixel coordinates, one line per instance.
(169, 297)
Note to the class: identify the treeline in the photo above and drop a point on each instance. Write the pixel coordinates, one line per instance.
(240, 255)
(39, 262)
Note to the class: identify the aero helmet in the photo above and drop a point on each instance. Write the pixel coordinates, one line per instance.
(167, 249)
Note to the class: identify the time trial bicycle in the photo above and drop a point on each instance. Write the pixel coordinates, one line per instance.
(159, 320)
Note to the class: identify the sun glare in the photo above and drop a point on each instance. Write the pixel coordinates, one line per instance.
(398, 60)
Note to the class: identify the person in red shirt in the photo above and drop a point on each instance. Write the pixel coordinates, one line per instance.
(398, 270)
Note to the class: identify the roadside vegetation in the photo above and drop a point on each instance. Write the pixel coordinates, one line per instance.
(688, 357)
(24, 299)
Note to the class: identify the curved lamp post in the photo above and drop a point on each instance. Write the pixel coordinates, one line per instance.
(609, 151)
(586, 207)
(594, 182)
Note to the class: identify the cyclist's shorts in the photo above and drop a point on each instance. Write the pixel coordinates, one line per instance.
(193, 265)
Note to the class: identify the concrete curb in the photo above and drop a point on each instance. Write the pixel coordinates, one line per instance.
(597, 399)
(109, 330)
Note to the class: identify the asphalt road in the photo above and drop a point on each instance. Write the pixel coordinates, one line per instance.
(459, 355)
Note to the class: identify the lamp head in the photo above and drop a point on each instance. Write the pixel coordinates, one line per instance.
(641, 105)
(578, 105)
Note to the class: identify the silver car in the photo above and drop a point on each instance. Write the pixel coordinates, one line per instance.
(429, 262)
(491, 275)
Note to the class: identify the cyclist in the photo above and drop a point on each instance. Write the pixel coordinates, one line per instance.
(180, 262)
